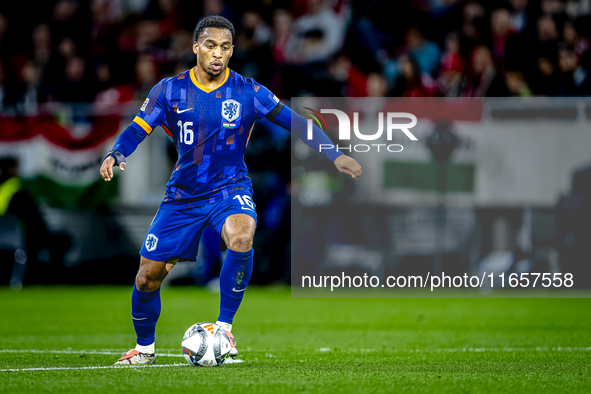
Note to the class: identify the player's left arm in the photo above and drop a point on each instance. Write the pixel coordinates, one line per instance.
(283, 116)
(268, 105)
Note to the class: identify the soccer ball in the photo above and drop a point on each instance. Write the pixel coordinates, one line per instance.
(206, 345)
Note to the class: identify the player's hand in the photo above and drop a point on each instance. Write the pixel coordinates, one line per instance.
(107, 168)
(348, 165)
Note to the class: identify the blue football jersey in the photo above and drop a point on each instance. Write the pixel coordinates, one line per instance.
(211, 129)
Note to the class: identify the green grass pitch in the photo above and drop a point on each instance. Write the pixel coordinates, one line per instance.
(299, 345)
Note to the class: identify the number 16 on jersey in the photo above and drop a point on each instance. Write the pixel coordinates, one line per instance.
(185, 133)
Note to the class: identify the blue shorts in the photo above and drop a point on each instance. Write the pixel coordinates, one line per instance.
(176, 234)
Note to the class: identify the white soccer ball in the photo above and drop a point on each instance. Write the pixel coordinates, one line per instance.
(206, 345)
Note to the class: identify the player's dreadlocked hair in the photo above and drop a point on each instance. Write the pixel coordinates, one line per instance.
(216, 21)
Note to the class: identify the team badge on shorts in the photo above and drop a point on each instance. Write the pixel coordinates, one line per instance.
(230, 110)
(151, 242)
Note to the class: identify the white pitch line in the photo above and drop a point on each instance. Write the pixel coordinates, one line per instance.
(466, 349)
(506, 349)
(115, 352)
(230, 361)
(105, 352)
(97, 367)
(471, 349)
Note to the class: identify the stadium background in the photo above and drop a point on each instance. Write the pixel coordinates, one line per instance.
(74, 73)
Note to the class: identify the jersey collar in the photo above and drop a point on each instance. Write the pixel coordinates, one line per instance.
(205, 88)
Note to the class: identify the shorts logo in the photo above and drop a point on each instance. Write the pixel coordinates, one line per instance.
(245, 202)
(144, 105)
(230, 110)
(275, 99)
(151, 242)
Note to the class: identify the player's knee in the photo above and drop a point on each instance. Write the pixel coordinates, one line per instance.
(240, 242)
(146, 282)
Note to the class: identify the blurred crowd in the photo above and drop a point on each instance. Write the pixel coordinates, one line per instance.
(112, 51)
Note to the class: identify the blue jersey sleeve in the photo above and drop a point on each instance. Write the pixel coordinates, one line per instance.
(152, 114)
(264, 100)
(283, 116)
(153, 111)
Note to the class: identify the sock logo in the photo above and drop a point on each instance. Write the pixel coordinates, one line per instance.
(151, 242)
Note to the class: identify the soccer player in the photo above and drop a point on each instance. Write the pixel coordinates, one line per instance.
(208, 112)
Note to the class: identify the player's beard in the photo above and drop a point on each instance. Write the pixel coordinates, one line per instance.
(212, 73)
(215, 73)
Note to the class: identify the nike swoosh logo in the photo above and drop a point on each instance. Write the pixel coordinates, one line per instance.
(250, 209)
(237, 291)
(135, 318)
(178, 111)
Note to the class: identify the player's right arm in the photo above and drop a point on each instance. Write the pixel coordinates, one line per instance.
(152, 114)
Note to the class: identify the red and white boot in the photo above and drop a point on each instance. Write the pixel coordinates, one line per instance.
(135, 357)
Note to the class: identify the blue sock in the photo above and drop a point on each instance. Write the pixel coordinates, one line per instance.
(234, 278)
(145, 311)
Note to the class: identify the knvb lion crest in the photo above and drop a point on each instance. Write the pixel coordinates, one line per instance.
(151, 242)
(230, 110)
